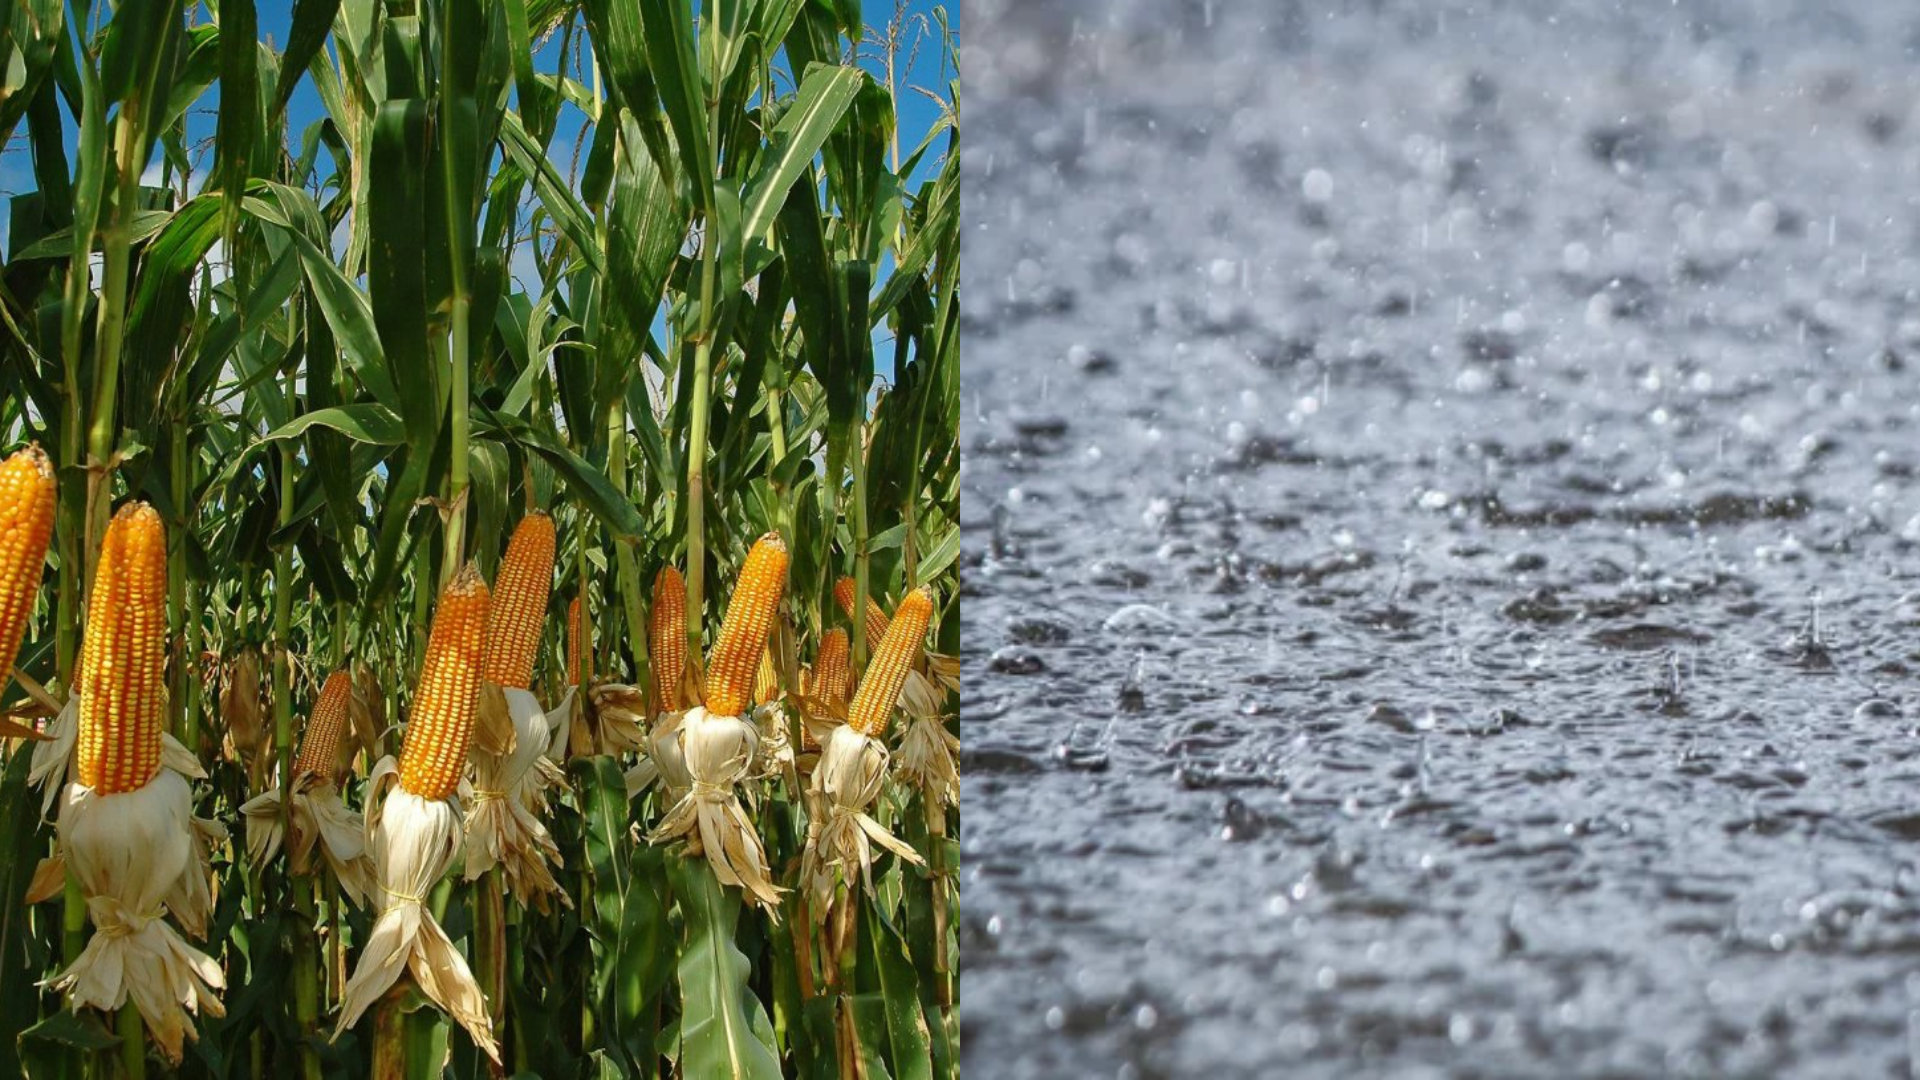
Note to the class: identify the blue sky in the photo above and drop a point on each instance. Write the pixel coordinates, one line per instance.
(917, 113)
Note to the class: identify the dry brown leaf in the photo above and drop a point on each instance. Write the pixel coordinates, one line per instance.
(241, 706)
(493, 724)
(49, 879)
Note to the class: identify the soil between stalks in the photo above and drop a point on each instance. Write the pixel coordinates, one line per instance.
(1440, 554)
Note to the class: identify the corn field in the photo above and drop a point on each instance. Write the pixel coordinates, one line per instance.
(477, 564)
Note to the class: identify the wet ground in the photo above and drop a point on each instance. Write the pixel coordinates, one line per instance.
(1442, 548)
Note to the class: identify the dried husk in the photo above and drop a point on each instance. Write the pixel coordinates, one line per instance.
(191, 899)
(851, 774)
(321, 822)
(53, 759)
(662, 762)
(929, 757)
(945, 671)
(129, 852)
(719, 752)
(622, 713)
(561, 720)
(775, 758)
(243, 712)
(413, 842)
(503, 828)
(368, 712)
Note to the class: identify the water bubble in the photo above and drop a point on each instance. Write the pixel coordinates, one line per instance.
(1317, 185)
(1460, 1029)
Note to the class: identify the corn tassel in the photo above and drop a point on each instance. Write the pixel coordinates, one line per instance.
(440, 731)
(26, 526)
(743, 636)
(123, 656)
(667, 639)
(899, 650)
(519, 607)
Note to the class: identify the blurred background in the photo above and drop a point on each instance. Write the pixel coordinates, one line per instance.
(1440, 551)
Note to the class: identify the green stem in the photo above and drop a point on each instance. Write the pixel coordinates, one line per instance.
(390, 1037)
(861, 555)
(117, 262)
(777, 429)
(73, 919)
(306, 974)
(623, 554)
(306, 993)
(697, 474)
(177, 581)
(336, 947)
(490, 953)
(282, 632)
(133, 1043)
(703, 378)
(457, 467)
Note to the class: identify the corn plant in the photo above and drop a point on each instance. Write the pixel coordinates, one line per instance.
(477, 564)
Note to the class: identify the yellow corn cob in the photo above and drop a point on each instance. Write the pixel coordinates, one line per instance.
(519, 607)
(123, 656)
(843, 591)
(440, 731)
(743, 636)
(830, 668)
(899, 650)
(766, 682)
(579, 652)
(320, 745)
(26, 524)
(667, 638)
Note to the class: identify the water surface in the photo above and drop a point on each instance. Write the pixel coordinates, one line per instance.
(1440, 555)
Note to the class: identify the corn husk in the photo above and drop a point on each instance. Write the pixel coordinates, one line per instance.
(129, 852)
(320, 822)
(851, 774)
(53, 758)
(775, 758)
(191, 899)
(929, 758)
(719, 753)
(621, 711)
(503, 828)
(662, 763)
(243, 710)
(561, 720)
(413, 842)
(945, 671)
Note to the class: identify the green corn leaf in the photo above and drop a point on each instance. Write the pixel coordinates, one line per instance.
(816, 110)
(240, 125)
(363, 423)
(724, 1030)
(311, 21)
